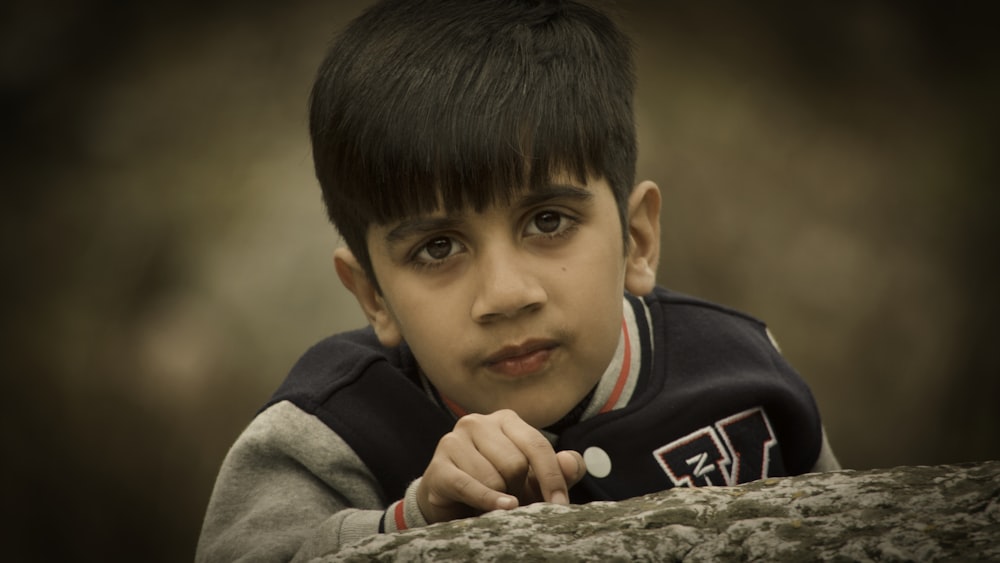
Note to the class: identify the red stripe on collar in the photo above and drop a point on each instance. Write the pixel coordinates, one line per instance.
(622, 374)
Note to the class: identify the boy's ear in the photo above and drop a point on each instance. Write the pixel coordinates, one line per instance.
(353, 276)
(644, 238)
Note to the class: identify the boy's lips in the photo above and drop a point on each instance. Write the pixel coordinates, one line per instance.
(522, 359)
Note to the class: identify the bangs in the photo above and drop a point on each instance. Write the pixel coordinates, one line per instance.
(472, 151)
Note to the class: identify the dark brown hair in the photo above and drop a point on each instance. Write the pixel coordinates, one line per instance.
(467, 102)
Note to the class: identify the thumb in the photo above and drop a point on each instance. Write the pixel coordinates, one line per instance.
(572, 465)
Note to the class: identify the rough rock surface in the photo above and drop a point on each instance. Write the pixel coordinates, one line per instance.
(916, 513)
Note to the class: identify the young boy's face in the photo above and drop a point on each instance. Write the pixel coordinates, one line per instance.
(517, 307)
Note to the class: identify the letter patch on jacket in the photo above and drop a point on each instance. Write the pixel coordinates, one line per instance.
(734, 450)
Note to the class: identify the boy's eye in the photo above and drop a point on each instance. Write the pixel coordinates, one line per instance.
(437, 249)
(549, 223)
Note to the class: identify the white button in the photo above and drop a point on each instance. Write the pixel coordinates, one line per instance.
(598, 462)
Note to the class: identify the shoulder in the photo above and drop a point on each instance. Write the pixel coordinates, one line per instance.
(335, 363)
(672, 301)
(284, 431)
(691, 333)
(371, 397)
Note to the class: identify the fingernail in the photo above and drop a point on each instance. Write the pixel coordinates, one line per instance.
(506, 503)
(559, 497)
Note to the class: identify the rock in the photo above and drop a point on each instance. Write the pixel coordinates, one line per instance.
(920, 513)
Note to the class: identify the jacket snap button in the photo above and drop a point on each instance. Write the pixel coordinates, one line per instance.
(598, 462)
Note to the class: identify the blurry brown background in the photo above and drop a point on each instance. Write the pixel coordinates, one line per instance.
(831, 168)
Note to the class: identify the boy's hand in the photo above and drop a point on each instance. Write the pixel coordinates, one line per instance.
(491, 462)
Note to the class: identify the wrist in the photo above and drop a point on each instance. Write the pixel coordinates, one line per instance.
(405, 513)
(412, 511)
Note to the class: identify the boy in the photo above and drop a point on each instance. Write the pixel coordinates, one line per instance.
(478, 158)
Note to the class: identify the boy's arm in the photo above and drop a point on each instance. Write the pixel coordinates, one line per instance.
(291, 489)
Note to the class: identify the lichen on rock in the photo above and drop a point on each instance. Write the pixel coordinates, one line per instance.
(917, 513)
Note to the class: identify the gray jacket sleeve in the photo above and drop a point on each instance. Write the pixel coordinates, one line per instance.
(290, 489)
(826, 461)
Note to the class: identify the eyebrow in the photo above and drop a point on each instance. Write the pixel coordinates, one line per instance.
(421, 226)
(555, 191)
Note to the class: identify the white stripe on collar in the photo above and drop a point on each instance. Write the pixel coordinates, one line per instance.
(617, 385)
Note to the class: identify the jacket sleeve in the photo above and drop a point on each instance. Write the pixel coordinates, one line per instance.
(826, 461)
(290, 489)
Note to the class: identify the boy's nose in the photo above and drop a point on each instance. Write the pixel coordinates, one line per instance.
(507, 286)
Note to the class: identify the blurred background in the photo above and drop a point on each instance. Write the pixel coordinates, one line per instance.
(831, 168)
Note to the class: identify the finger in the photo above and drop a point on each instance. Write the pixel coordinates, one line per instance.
(483, 470)
(452, 486)
(473, 493)
(573, 466)
(494, 460)
(505, 459)
(541, 458)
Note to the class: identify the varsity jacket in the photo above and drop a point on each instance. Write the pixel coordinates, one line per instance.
(699, 396)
